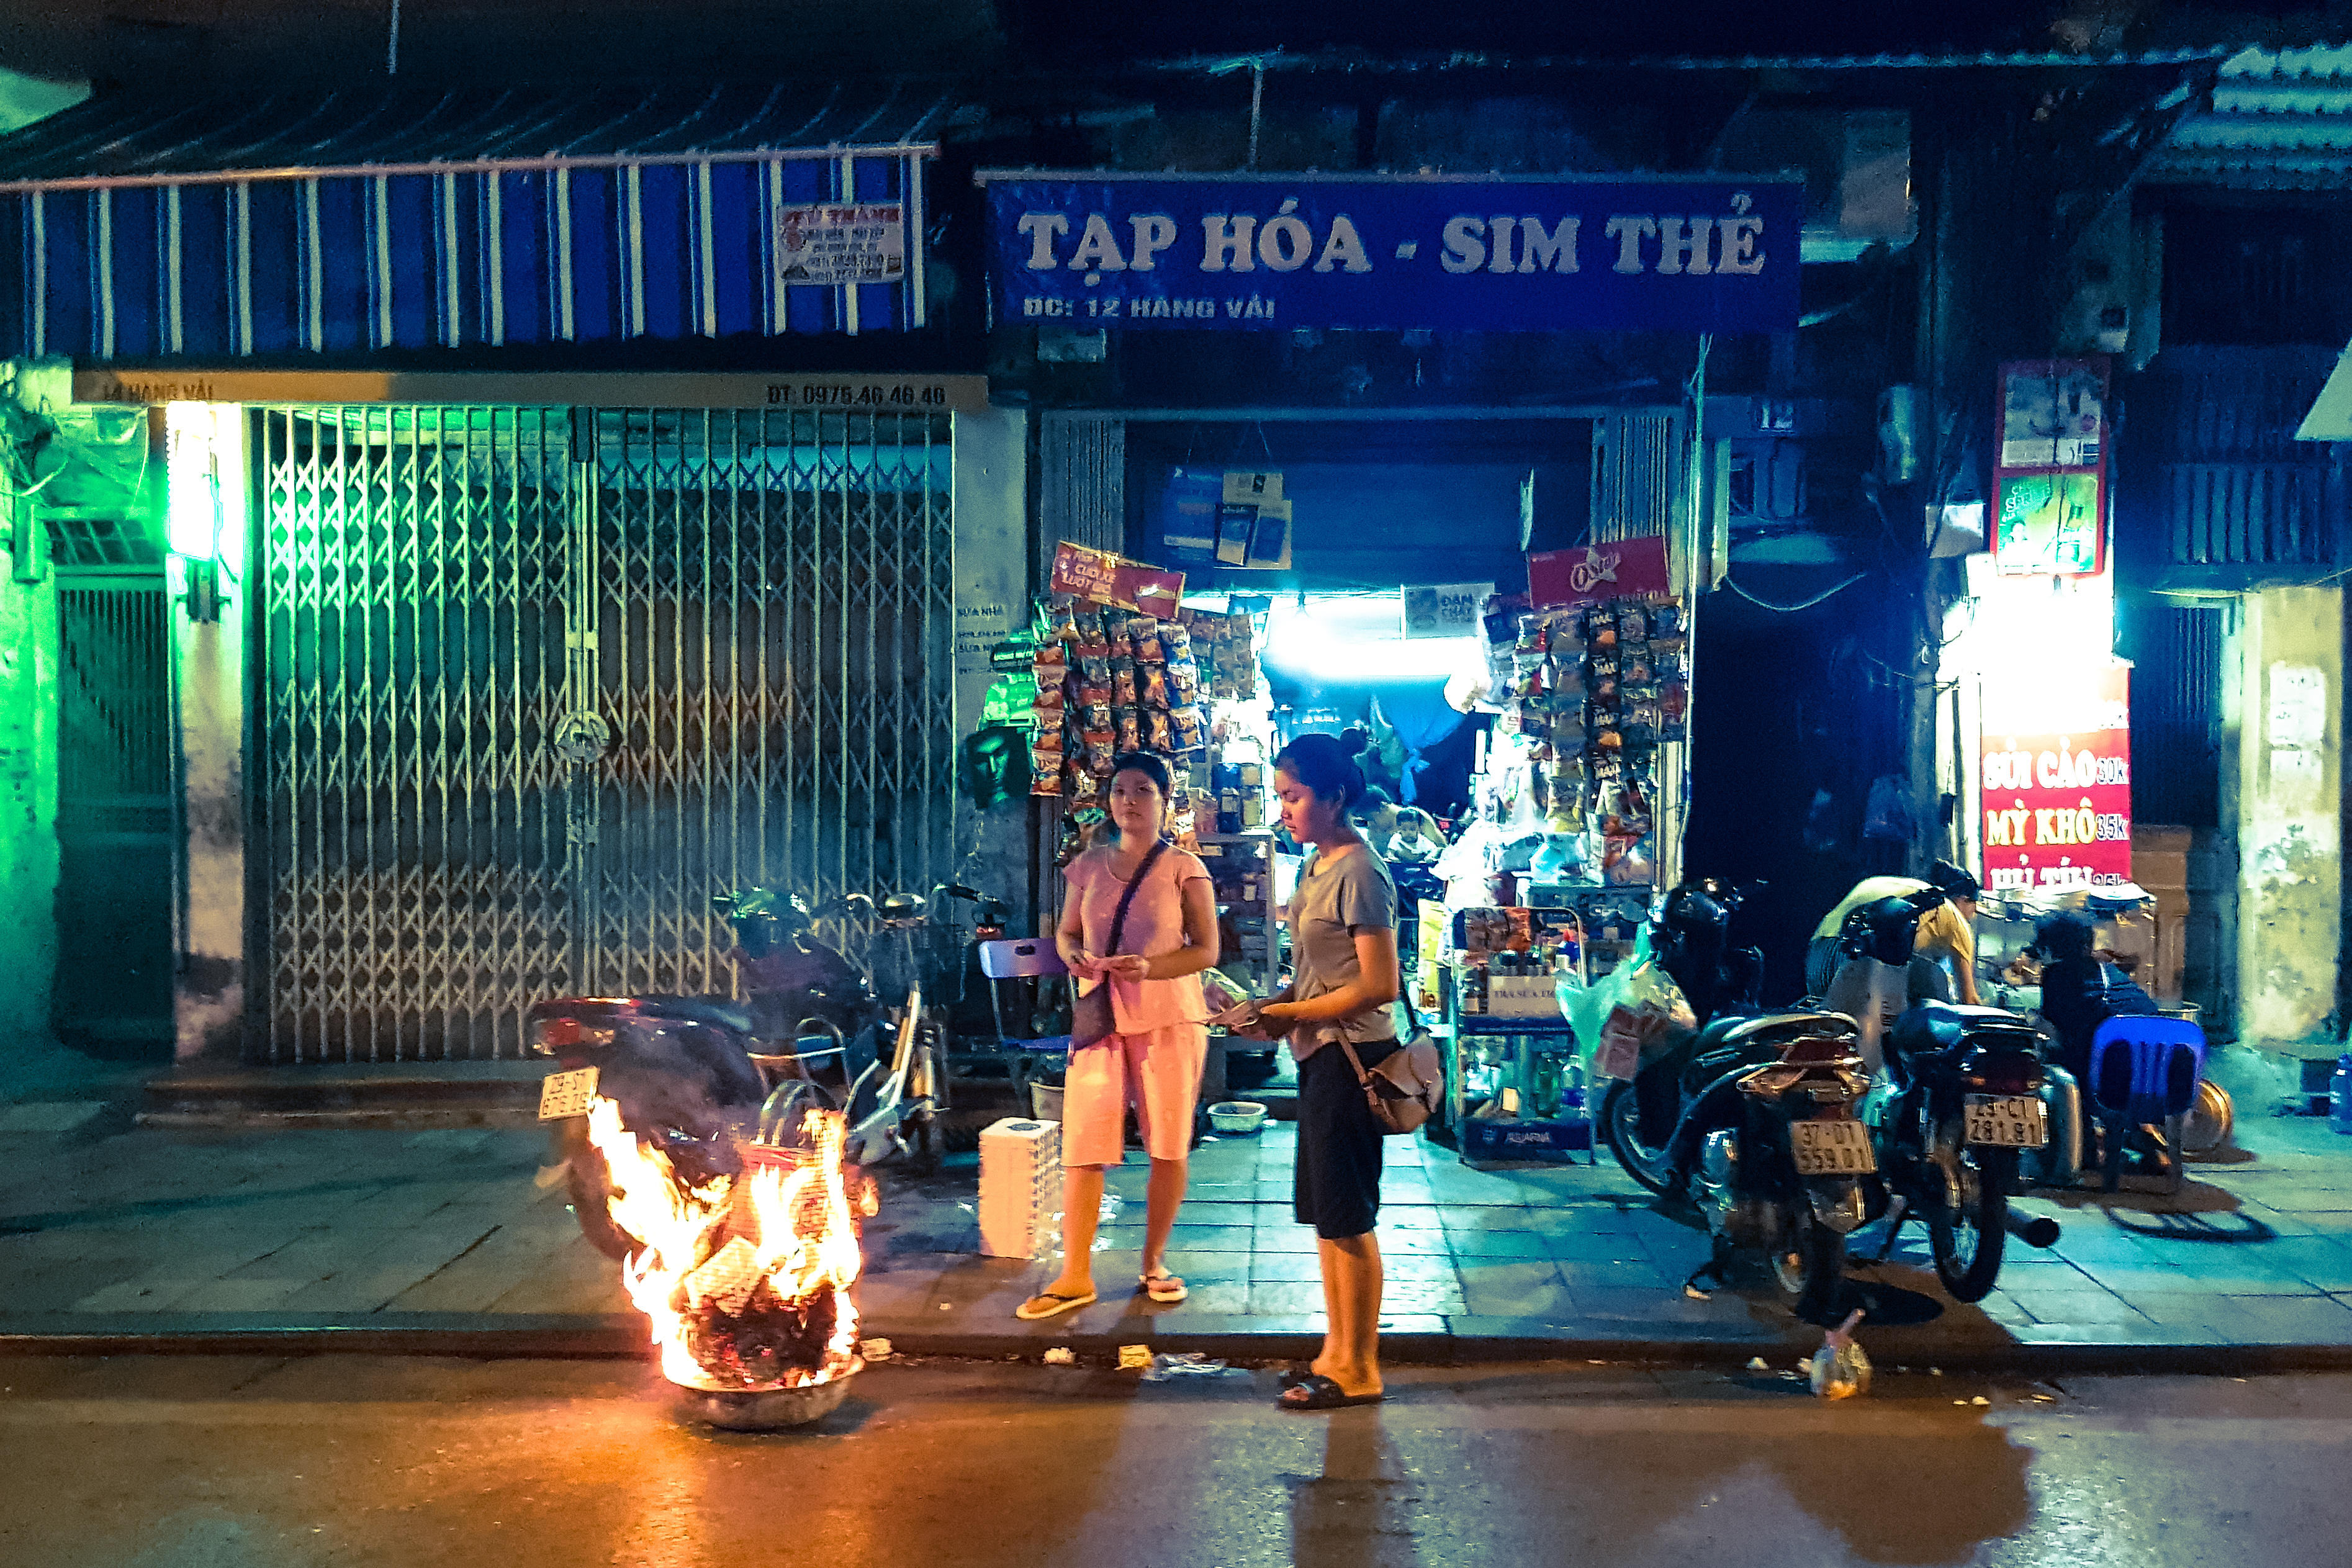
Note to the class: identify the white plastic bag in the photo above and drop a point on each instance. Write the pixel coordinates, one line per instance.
(1840, 1368)
(1634, 1011)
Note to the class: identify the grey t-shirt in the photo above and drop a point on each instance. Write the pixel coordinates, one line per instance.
(1329, 906)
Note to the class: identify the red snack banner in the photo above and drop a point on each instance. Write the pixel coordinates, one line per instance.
(1622, 569)
(2056, 775)
(1110, 579)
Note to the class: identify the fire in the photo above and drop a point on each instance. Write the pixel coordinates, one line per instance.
(745, 1278)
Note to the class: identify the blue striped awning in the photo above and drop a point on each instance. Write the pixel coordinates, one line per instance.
(294, 227)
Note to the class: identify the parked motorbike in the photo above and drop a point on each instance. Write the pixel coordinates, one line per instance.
(1780, 1170)
(1690, 941)
(1958, 1096)
(693, 1073)
(1962, 1100)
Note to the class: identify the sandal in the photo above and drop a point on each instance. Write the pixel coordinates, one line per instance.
(1048, 1304)
(1317, 1392)
(1162, 1286)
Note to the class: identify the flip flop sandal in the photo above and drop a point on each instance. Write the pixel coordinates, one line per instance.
(1162, 1286)
(1029, 1312)
(1322, 1394)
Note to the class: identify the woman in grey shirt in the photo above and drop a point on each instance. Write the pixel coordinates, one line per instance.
(1343, 953)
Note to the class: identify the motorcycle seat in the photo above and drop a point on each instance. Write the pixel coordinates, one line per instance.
(1780, 1026)
(722, 1015)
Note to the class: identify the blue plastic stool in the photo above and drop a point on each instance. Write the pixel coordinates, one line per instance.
(2144, 1071)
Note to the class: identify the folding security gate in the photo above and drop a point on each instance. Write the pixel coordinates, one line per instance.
(536, 683)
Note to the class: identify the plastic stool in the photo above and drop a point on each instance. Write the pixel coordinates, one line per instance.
(2144, 1071)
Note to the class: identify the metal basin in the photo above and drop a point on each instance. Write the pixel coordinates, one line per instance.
(766, 1410)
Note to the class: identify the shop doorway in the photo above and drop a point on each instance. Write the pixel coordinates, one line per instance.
(116, 779)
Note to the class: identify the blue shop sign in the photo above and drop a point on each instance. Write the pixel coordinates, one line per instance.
(1474, 254)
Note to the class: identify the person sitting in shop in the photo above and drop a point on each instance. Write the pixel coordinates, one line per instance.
(1399, 832)
(1947, 935)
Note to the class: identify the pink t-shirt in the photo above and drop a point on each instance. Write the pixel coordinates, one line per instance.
(1155, 925)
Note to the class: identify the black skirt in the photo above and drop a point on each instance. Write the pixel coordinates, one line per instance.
(1337, 1185)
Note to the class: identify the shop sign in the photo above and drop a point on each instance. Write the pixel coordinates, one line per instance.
(1250, 253)
(830, 243)
(1108, 579)
(2049, 513)
(1621, 569)
(2056, 765)
(1447, 610)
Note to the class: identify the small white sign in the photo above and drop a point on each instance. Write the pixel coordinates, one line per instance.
(567, 1094)
(1446, 610)
(830, 243)
(2299, 705)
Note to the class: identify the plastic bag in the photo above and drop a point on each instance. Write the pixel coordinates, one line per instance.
(1660, 1016)
(1841, 1369)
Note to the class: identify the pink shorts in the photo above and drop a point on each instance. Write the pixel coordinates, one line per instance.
(1158, 1073)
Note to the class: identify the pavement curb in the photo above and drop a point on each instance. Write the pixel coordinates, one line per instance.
(622, 1337)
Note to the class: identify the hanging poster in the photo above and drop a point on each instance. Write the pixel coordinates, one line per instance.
(1447, 610)
(2050, 485)
(1383, 252)
(2057, 779)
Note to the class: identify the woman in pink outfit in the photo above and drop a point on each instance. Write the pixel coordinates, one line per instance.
(1153, 1060)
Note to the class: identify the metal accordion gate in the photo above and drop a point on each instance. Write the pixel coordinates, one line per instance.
(533, 684)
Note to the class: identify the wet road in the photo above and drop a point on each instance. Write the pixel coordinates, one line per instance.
(221, 1463)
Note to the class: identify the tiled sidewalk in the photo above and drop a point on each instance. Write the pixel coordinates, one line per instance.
(193, 1232)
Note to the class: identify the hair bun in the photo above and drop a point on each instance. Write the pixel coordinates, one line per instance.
(1353, 741)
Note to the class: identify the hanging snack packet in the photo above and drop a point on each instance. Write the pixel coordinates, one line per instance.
(1094, 668)
(1129, 731)
(1062, 622)
(1632, 623)
(1175, 641)
(1601, 628)
(1083, 787)
(1149, 644)
(1155, 686)
(1122, 682)
(1185, 729)
(1183, 684)
(1158, 733)
(1047, 705)
(1101, 747)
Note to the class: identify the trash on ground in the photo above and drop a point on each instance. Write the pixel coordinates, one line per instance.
(1061, 1355)
(1134, 1358)
(1841, 1369)
(1935, 1371)
(947, 1306)
(1695, 1293)
(1758, 1364)
(1183, 1363)
(875, 1350)
(1111, 1204)
(1980, 1399)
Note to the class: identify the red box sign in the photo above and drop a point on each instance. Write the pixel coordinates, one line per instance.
(2056, 776)
(1623, 569)
(1110, 579)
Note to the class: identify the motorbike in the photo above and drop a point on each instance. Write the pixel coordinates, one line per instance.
(1958, 1096)
(1689, 940)
(696, 1074)
(1780, 1170)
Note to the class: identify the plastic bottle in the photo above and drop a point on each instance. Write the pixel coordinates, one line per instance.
(2340, 1096)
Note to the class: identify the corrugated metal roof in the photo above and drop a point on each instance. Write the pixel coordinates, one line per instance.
(1328, 60)
(2281, 120)
(119, 140)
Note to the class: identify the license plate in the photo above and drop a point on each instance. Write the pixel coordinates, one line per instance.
(2013, 1121)
(566, 1094)
(1831, 1148)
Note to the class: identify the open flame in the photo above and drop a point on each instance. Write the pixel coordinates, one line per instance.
(746, 1277)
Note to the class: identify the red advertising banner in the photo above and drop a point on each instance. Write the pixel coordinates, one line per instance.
(2056, 772)
(1110, 579)
(1622, 569)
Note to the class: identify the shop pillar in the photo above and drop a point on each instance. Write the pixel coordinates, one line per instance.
(28, 785)
(2288, 804)
(208, 589)
(992, 601)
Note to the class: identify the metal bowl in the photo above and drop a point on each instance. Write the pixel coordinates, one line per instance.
(766, 1410)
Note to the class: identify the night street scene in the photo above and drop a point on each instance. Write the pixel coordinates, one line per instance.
(1001, 781)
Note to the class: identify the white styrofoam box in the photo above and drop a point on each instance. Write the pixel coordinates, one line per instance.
(1020, 1187)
